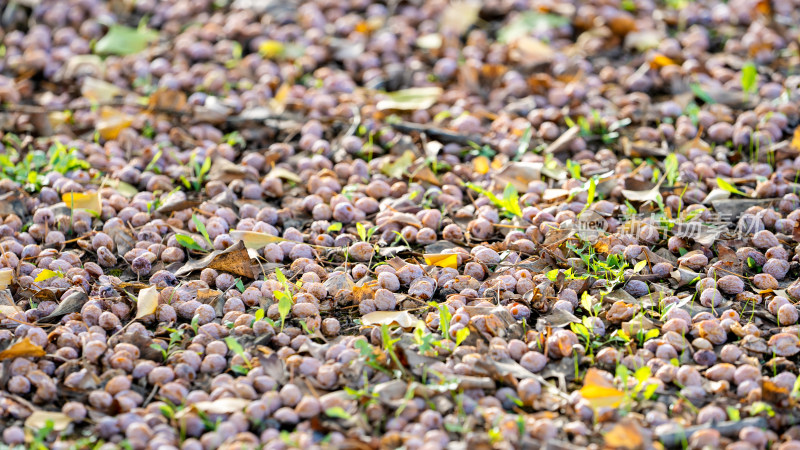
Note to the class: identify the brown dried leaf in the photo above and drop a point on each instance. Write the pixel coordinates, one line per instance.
(165, 98)
(226, 171)
(235, 260)
(22, 349)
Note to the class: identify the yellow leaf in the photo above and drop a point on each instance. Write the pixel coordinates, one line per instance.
(5, 277)
(599, 392)
(22, 349)
(442, 260)
(147, 302)
(625, 435)
(796, 138)
(367, 290)
(271, 49)
(400, 318)
(78, 200)
(660, 60)
(254, 239)
(278, 103)
(46, 274)
(481, 165)
(39, 420)
(111, 122)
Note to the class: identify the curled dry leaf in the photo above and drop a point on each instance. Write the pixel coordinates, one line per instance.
(403, 319)
(226, 171)
(40, 419)
(650, 195)
(73, 303)
(146, 302)
(280, 172)
(22, 349)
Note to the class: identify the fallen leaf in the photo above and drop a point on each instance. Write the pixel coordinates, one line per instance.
(529, 21)
(716, 194)
(45, 274)
(796, 138)
(100, 91)
(410, 99)
(165, 98)
(458, 16)
(402, 219)
(22, 349)
(280, 172)
(481, 165)
(39, 420)
(226, 171)
(403, 319)
(73, 303)
(146, 302)
(553, 194)
(226, 405)
(363, 290)
(650, 195)
(78, 200)
(725, 185)
(442, 260)
(424, 173)
(644, 40)
(530, 51)
(599, 392)
(625, 435)
(122, 40)
(772, 393)
(6, 276)
(519, 174)
(430, 41)
(254, 239)
(172, 205)
(398, 167)
(234, 260)
(121, 187)
(111, 122)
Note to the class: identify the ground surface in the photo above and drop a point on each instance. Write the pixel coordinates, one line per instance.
(339, 224)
